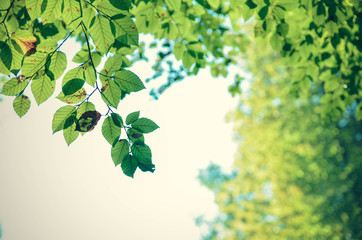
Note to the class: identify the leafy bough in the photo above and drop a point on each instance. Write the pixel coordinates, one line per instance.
(29, 35)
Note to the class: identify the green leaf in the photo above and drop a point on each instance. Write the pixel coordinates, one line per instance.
(123, 5)
(179, 50)
(75, 73)
(110, 131)
(117, 119)
(176, 4)
(42, 88)
(215, 4)
(53, 11)
(287, 4)
(128, 81)
(70, 135)
(120, 151)
(60, 117)
(111, 93)
(125, 26)
(188, 60)
(72, 86)
(97, 58)
(335, 40)
(58, 64)
(142, 153)
(101, 33)
(113, 64)
(105, 7)
(17, 56)
(32, 64)
(85, 107)
(21, 105)
(132, 117)
(70, 120)
(282, 29)
(47, 45)
(14, 86)
(82, 55)
(144, 125)
(5, 55)
(135, 136)
(129, 166)
(34, 8)
(263, 12)
(276, 42)
(251, 4)
(321, 9)
(71, 11)
(146, 167)
(74, 98)
(87, 15)
(90, 74)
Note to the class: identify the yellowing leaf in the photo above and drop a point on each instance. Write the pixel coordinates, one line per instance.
(26, 41)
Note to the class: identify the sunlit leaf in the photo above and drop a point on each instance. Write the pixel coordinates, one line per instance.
(21, 105)
(42, 88)
(14, 86)
(125, 25)
(110, 131)
(52, 11)
(128, 81)
(60, 117)
(85, 107)
(113, 64)
(175, 4)
(57, 64)
(90, 74)
(34, 63)
(111, 93)
(101, 33)
(144, 125)
(71, 11)
(70, 135)
(34, 8)
(74, 98)
(120, 151)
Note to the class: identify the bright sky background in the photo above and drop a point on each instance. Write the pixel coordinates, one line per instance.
(54, 192)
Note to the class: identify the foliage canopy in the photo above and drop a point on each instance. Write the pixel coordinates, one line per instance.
(294, 177)
(318, 40)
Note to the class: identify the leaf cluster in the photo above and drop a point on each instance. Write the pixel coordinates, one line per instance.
(32, 33)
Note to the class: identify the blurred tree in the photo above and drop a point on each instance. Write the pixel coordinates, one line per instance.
(296, 178)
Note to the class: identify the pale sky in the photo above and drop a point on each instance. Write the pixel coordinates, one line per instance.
(55, 192)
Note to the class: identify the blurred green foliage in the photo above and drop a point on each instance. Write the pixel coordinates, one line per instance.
(296, 176)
